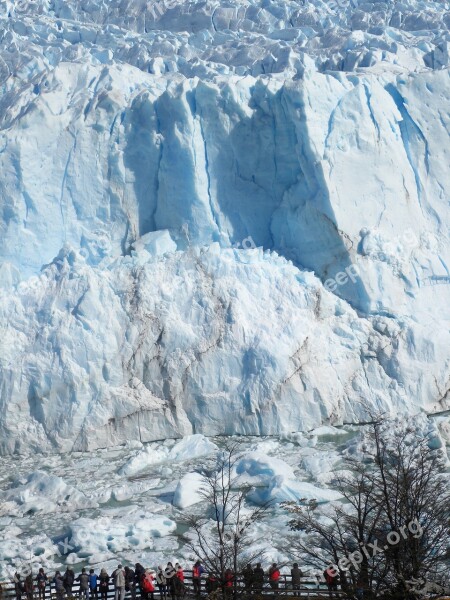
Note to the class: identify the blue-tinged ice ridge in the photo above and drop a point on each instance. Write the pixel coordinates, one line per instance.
(220, 219)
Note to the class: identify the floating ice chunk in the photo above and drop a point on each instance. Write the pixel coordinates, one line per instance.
(192, 446)
(187, 492)
(317, 463)
(41, 492)
(145, 458)
(258, 469)
(283, 490)
(131, 490)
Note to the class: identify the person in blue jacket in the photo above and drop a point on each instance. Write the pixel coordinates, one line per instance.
(93, 583)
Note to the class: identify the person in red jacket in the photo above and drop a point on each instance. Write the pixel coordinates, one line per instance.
(228, 579)
(180, 589)
(148, 585)
(197, 572)
(274, 577)
(331, 579)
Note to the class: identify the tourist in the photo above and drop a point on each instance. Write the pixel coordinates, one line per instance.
(197, 572)
(148, 585)
(274, 577)
(258, 578)
(247, 576)
(93, 582)
(58, 580)
(161, 582)
(130, 582)
(68, 579)
(83, 578)
(29, 586)
(118, 578)
(169, 574)
(18, 586)
(104, 584)
(41, 580)
(296, 575)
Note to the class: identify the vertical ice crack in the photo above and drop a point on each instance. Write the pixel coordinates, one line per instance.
(63, 183)
(369, 106)
(408, 128)
(208, 177)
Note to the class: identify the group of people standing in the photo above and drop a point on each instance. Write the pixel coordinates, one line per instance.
(168, 582)
(92, 586)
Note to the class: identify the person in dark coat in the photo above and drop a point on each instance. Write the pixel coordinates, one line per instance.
(29, 586)
(103, 584)
(258, 578)
(139, 572)
(69, 579)
(18, 586)
(83, 578)
(130, 582)
(296, 575)
(58, 580)
(247, 577)
(211, 585)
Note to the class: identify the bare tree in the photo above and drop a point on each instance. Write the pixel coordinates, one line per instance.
(413, 489)
(220, 538)
(391, 528)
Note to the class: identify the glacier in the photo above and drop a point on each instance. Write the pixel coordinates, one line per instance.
(222, 219)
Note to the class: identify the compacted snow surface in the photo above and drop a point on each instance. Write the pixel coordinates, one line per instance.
(217, 218)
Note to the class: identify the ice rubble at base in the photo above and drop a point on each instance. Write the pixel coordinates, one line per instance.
(142, 527)
(112, 534)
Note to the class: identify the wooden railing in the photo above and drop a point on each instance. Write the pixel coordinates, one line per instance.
(308, 589)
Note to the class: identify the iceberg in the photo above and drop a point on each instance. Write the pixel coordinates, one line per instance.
(189, 448)
(188, 490)
(289, 490)
(257, 469)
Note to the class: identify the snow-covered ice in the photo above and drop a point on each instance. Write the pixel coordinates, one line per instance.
(258, 469)
(140, 518)
(217, 219)
(189, 448)
(189, 490)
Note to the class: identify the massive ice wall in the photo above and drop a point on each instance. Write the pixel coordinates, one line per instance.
(217, 253)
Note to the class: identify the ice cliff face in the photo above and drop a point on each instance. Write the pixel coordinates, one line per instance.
(222, 219)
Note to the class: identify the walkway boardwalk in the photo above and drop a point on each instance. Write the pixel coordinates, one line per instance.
(309, 590)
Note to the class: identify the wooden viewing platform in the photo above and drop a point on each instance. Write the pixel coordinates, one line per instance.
(308, 589)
